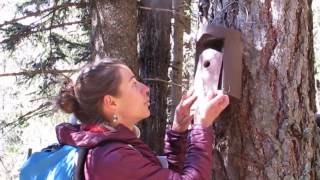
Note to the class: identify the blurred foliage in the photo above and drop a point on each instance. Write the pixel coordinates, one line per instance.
(42, 36)
(36, 36)
(57, 33)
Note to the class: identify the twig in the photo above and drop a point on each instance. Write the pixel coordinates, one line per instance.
(173, 11)
(50, 34)
(34, 72)
(41, 98)
(161, 80)
(4, 166)
(158, 9)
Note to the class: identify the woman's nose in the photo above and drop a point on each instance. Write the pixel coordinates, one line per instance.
(146, 89)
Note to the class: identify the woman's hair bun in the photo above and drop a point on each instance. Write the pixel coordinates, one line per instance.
(67, 100)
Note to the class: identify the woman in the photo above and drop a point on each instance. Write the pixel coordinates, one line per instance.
(109, 100)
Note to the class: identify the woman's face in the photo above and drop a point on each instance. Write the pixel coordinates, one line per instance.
(133, 100)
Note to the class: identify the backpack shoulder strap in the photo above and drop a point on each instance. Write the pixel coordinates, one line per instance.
(82, 155)
(79, 171)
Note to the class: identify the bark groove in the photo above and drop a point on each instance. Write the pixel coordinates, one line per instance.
(271, 133)
(114, 30)
(154, 58)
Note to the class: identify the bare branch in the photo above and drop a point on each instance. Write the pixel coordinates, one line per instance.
(161, 80)
(50, 31)
(4, 165)
(173, 11)
(158, 9)
(34, 72)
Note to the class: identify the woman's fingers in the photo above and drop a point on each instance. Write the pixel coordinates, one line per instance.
(187, 94)
(188, 119)
(184, 106)
(187, 100)
(208, 113)
(190, 92)
(187, 103)
(182, 124)
(182, 117)
(218, 103)
(214, 93)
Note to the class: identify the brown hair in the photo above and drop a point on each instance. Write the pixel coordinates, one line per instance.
(84, 98)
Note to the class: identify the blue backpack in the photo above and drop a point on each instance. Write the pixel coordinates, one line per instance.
(55, 162)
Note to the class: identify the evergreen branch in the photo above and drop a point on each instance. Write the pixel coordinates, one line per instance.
(40, 71)
(59, 26)
(50, 32)
(74, 43)
(28, 32)
(38, 13)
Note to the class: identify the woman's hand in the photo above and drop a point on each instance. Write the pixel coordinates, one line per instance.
(211, 108)
(182, 116)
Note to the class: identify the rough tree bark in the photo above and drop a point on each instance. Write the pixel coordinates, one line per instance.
(177, 52)
(114, 30)
(271, 133)
(154, 58)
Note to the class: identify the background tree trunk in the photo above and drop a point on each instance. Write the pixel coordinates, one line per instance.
(154, 58)
(271, 133)
(114, 30)
(177, 52)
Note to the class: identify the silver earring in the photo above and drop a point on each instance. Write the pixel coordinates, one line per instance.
(114, 118)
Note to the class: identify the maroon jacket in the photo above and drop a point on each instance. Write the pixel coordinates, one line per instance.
(127, 157)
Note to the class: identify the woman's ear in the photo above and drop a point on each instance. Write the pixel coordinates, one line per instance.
(109, 103)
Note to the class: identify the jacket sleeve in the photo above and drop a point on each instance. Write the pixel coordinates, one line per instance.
(127, 163)
(175, 149)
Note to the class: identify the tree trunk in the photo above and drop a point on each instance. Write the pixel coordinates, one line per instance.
(114, 30)
(177, 60)
(154, 57)
(271, 133)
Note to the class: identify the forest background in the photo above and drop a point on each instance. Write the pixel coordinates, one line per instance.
(28, 90)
